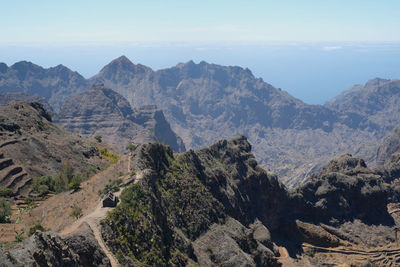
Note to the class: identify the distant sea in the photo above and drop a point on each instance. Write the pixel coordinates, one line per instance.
(312, 72)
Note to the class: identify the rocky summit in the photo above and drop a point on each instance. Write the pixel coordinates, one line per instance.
(101, 111)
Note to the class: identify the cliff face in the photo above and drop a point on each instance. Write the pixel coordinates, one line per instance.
(101, 111)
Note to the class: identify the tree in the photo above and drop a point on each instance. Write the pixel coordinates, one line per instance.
(98, 138)
(5, 211)
(75, 183)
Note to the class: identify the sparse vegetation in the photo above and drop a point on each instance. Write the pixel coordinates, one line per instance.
(75, 183)
(130, 147)
(114, 186)
(173, 197)
(98, 138)
(36, 227)
(46, 184)
(112, 158)
(76, 212)
(5, 211)
(6, 192)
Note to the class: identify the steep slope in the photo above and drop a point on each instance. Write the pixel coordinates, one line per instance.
(205, 102)
(54, 84)
(101, 111)
(216, 206)
(378, 100)
(33, 146)
(196, 208)
(389, 146)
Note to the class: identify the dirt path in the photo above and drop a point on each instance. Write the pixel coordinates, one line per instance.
(93, 220)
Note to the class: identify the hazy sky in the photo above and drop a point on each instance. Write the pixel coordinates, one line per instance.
(312, 49)
(87, 21)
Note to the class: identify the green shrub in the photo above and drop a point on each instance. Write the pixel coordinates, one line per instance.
(36, 227)
(108, 155)
(111, 187)
(46, 184)
(5, 211)
(98, 138)
(6, 192)
(75, 183)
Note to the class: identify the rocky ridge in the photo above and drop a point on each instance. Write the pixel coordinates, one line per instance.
(216, 206)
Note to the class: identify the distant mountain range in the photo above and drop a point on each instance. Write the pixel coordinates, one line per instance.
(206, 102)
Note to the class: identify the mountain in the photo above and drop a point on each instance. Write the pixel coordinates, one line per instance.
(31, 146)
(205, 102)
(378, 100)
(216, 207)
(101, 111)
(54, 84)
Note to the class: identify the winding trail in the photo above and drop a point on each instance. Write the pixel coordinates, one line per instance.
(99, 213)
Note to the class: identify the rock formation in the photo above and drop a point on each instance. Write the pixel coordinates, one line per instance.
(49, 249)
(101, 111)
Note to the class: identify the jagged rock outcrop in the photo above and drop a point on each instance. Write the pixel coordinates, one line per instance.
(216, 206)
(31, 145)
(54, 84)
(101, 111)
(49, 249)
(85, 245)
(211, 206)
(345, 190)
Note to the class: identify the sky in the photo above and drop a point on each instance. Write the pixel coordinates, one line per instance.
(313, 49)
